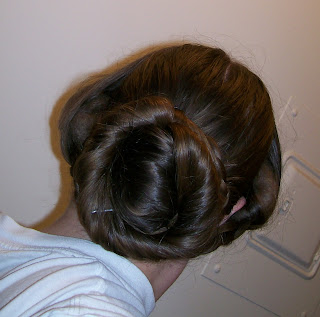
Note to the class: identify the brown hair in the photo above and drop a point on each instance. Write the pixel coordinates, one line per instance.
(161, 150)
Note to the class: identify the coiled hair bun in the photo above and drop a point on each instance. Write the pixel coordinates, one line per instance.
(160, 173)
(162, 149)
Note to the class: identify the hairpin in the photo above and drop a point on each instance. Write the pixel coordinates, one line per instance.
(104, 210)
(169, 225)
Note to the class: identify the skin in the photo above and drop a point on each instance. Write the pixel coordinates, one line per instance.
(161, 275)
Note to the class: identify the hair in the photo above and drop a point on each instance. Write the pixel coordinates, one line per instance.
(162, 149)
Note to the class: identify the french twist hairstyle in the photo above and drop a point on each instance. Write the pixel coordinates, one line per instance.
(161, 150)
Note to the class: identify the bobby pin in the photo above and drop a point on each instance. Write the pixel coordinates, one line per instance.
(104, 210)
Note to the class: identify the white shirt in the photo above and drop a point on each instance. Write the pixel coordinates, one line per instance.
(47, 275)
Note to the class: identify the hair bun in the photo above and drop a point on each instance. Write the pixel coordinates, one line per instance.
(169, 175)
(155, 168)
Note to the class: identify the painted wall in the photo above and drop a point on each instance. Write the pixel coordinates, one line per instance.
(45, 45)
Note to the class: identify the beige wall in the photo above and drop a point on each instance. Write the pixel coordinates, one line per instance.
(47, 44)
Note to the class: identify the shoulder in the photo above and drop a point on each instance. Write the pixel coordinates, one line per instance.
(42, 274)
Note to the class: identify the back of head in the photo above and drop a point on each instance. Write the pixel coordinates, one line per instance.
(162, 149)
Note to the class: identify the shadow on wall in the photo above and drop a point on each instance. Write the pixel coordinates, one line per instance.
(66, 182)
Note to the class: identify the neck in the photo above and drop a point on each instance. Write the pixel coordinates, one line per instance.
(68, 224)
(161, 275)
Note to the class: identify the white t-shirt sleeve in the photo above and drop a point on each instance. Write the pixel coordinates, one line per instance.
(45, 275)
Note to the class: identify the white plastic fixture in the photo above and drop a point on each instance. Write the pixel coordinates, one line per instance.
(295, 241)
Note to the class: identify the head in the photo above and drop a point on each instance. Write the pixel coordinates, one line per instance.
(165, 150)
